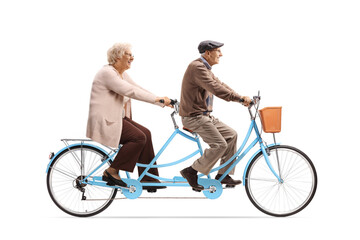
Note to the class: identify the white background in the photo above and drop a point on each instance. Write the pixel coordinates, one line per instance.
(302, 55)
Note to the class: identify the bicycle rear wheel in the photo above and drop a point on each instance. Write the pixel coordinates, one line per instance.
(64, 182)
(285, 198)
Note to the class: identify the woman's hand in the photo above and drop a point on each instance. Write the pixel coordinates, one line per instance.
(166, 100)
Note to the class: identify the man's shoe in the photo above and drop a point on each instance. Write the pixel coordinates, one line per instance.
(191, 176)
(228, 180)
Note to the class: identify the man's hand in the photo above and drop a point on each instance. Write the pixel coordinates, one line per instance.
(246, 101)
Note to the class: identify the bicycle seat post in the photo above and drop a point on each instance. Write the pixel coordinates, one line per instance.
(173, 119)
(176, 110)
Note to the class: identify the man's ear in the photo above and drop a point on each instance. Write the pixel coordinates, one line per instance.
(207, 53)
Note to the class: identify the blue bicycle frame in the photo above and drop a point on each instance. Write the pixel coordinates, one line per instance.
(180, 181)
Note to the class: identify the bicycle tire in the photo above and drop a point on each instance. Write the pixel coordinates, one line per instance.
(64, 178)
(281, 199)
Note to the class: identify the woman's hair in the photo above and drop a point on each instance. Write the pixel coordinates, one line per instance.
(117, 51)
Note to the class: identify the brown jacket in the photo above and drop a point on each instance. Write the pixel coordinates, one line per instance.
(107, 105)
(198, 86)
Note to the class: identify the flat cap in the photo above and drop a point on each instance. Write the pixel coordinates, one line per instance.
(208, 45)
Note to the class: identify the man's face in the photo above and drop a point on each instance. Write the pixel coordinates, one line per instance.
(213, 56)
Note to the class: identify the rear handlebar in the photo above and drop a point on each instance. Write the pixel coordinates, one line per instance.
(172, 101)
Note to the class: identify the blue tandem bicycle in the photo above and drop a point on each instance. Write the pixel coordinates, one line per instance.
(279, 180)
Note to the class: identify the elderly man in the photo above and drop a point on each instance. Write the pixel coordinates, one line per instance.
(198, 88)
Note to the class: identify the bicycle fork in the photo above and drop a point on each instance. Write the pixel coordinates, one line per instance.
(266, 155)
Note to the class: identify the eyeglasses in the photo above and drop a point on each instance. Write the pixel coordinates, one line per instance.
(129, 54)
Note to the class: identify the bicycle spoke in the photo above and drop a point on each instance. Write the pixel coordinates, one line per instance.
(68, 174)
(263, 179)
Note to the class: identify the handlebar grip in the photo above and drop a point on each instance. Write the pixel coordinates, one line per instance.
(241, 100)
(172, 102)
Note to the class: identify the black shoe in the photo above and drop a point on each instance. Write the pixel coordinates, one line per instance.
(111, 181)
(228, 180)
(191, 176)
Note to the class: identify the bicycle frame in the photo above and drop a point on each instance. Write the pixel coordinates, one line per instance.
(180, 181)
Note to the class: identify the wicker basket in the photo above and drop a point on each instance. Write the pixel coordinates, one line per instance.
(271, 119)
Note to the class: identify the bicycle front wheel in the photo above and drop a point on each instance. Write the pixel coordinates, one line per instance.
(286, 197)
(65, 185)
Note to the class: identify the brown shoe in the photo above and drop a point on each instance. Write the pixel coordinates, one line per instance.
(228, 180)
(191, 176)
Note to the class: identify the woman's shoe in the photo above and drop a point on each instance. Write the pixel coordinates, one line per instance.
(111, 181)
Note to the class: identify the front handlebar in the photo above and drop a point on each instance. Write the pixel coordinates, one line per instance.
(256, 100)
(254, 103)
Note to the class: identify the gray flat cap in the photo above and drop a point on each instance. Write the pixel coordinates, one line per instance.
(208, 45)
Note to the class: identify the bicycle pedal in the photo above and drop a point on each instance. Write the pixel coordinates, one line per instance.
(229, 186)
(151, 190)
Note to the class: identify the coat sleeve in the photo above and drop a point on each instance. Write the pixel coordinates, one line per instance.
(208, 81)
(113, 82)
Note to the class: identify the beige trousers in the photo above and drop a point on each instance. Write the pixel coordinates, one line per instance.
(221, 139)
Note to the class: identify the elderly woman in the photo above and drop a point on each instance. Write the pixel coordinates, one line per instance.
(110, 121)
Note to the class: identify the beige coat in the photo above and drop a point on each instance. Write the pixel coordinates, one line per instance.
(107, 105)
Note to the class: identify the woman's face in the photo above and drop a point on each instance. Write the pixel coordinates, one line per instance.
(126, 60)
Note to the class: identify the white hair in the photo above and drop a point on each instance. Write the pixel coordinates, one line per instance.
(117, 51)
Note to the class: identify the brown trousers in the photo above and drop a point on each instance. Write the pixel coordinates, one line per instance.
(136, 147)
(221, 139)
